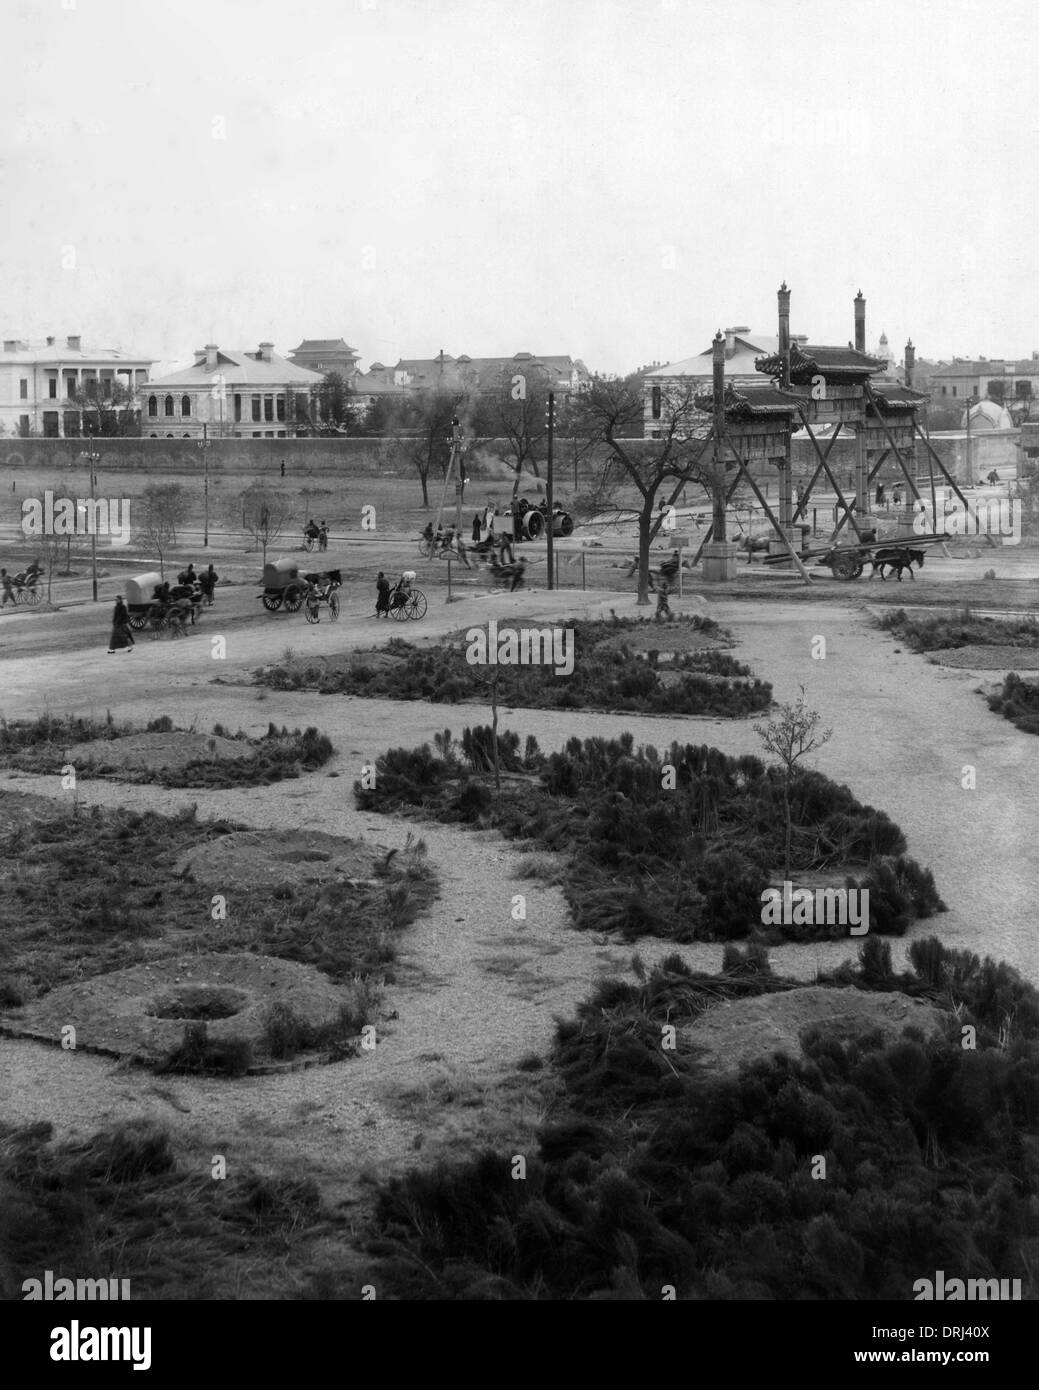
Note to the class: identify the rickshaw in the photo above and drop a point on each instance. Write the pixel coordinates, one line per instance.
(407, 602)
(322, 590)
(283, 585)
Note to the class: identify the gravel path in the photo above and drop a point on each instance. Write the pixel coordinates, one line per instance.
(477, 990)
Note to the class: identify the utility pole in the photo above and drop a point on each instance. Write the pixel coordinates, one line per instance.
(550, 416)
(457, 447)
(204, 445)
(93, 457)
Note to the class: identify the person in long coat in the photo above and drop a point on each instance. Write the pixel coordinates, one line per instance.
(122, 637)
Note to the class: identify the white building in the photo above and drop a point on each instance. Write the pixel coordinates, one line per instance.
(250, 395)
(42, 387)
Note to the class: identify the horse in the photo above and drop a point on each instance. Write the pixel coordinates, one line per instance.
(897, 558)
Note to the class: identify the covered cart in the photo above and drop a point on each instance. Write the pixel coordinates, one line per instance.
(139, 592)
(283, 585)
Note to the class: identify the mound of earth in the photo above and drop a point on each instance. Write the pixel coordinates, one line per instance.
(153, 752)
(734, 1032)
(142, 1011)
(676, 637)
(985, 658)
(23, 808)
(273, 858)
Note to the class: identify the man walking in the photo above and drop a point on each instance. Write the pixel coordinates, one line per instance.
(9, 593)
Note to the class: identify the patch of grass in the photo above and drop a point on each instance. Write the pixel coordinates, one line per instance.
(198, 1053)
(87, 894)
(1018, 701)
(122, 1204)
(942, 633)
(40, 746)
(677, 844)
(704, 683)
(286, 1034)
(658, 1173)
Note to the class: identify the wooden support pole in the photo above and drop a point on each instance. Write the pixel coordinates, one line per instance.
(952, 483)
(800, 509)
(745, 471)
(848, 514)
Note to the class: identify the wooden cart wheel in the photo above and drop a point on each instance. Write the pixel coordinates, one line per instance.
(845, 568)
(294, 598)
(312, 612)
(399, 611)
(272, 602)
(333, 605)
(138, 621)
(416, 605)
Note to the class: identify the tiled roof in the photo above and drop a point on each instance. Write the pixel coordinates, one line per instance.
(325, 345)
(894, 397)
(241, 369)
(807, 359)
(750, 398)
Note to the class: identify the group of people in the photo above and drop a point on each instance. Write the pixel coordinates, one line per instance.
(317, 533)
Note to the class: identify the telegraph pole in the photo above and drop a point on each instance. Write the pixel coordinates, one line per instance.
(550, 415)
(93, 457)
(456, 463)
(204, 444)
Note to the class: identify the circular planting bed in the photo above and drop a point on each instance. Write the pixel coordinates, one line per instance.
(153, 752)
(741, 1030)
(279, 858)
(142, 1012)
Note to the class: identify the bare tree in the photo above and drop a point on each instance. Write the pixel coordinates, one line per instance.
(611, 413)
(516, 410)
(791, 736)
(265, 514)
(423, 431)
(164, 508)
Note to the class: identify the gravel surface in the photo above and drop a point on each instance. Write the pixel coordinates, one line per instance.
(477, 989)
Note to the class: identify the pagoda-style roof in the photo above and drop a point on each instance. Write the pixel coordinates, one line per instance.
(893, 397)
(750, 399)
(808, 360)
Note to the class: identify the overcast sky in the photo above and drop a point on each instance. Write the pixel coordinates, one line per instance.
(614, 179)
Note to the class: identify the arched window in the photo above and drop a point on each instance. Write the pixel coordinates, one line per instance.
(169, 405)
(153, 406)
(185, 405)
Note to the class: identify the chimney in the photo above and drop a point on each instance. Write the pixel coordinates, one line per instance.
(200, 356)
(211, 352)
(860, 323)
(784, 333)
(730, 343)
(50, 342)
(910, 362)
(265, 351)
(10, 345)
(73, 341)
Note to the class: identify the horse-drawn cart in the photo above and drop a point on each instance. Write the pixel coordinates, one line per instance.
(848, 561)
(283, 586)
